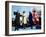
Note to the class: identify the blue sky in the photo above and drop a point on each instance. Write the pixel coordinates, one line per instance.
(20, 9)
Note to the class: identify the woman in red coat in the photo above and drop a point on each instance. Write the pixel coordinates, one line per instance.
(36, 19)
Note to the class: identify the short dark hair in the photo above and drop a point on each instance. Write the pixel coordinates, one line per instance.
(34, 10)
(23, 11)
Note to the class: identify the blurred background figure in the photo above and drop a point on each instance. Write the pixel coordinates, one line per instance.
(33, 17)
(17, 20)
(24, 20)
(30, 20)
(36, 19)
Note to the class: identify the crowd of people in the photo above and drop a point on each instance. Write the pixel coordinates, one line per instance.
(23, 22)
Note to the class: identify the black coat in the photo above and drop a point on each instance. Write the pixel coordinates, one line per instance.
(30, 20)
